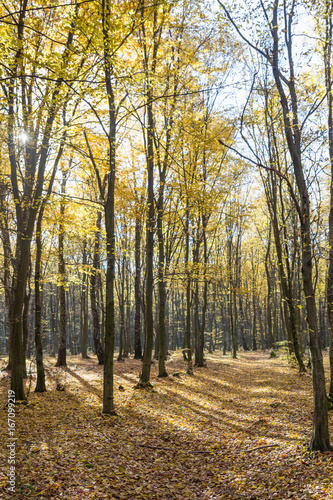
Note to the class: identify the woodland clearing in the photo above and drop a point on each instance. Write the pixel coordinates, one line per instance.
(237, 428)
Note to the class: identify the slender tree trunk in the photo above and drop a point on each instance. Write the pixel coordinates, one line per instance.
(161, 283)
(6, 260)
(108, 390)
(149, 322)
(25, 327)
(84, 305)
(240, 299)
(285, 273)
(31, 326)
(201, 339)
(121, 296)
(149, 64)
(94, 291)
(53, 320)
(61, 361)
(196, 248)
(137, 290)
(254, 324)
(128, 344)
(40, 384)
(328, 80)
(188, 347)
(69, 321)
(231, 287)
(320, 433)
(269, 292)
(101, 303)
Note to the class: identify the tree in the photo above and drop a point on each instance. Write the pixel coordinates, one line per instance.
(94, 289)
(149, 67)
(29, 128)
(280, 211)
(286, 87)
(327, 55)
(113, 24)
(40, 384)
(61, 361)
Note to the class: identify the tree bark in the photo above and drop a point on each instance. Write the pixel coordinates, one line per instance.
(84, 305)
(28, 200)
(320, 433)
(61, 361)
(328, 82)
(201, 340)
(188, 347)
(149, 70)
(93, 291)
(40, 384)
(108, 389)
(137, 290)
(161, 283)
(121, 300)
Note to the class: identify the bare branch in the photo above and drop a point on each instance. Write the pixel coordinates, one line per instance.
(268, 169)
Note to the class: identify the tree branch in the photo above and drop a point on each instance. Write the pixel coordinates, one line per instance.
(268, 169)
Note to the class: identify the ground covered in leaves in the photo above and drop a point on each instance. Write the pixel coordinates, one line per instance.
(235, 429)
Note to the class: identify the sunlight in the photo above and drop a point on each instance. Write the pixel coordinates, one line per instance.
(24, 137)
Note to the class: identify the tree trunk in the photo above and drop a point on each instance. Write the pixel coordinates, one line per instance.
(161, 283)
(128, 343)
(108, 390)
(137, 290)
(31, 327)
(269, 293)
(7, 253)
(61, 361)
(320, 433)
(121, 296)
(84, 305)
(149, 323)
(196, 248)
(201, 340)
(328, 81)
(254, 324)
(231, 302)
(28, 200)
(94, 290)
(18, 362)
(188, 347)
(40, 384)
(25, 328)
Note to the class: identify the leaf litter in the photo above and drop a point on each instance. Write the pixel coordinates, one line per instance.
(235, 429)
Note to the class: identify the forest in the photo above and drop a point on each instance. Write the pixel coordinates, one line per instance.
(166, 253)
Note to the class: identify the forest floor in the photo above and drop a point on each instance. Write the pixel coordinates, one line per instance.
(237, 429)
